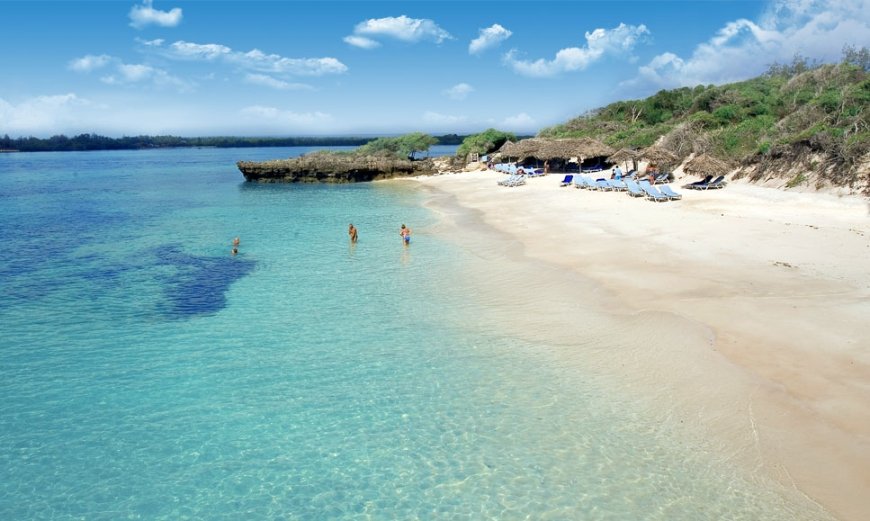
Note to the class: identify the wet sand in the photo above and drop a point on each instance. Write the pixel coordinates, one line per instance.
(755, 300)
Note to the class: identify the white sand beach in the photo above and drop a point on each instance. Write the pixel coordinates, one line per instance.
(766, 292)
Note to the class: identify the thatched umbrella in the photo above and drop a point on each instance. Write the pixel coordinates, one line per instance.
(571, 147)
(658, 156)
(623, 155)
(704, 164)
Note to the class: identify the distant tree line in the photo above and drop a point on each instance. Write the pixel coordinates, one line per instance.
(62, 143)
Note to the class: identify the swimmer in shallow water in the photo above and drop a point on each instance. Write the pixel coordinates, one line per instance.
(405, 232)
(352, 232)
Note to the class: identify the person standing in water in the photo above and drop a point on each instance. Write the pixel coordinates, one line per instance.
(352, 233)
(405, 232)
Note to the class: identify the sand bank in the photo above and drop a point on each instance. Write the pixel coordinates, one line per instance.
(781, 282)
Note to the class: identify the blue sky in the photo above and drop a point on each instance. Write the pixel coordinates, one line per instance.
(352, 68)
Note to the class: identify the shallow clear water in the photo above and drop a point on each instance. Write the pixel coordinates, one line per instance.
(146, 373)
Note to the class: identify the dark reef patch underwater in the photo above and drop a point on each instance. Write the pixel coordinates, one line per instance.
(199, 284)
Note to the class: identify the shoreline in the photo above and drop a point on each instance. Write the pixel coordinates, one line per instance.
(773, 287)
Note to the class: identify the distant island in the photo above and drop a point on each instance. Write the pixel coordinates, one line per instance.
(84, 142)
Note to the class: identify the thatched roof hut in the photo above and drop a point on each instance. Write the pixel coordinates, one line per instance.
(574, 147)
(704, 164)
(659, 156)
(624, 155)
(505, 149)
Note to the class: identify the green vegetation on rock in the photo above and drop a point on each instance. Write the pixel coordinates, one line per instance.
(484, 143)
(802, 113)
(401, 146)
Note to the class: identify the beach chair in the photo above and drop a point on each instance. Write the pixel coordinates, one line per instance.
(569, 179)
(617, 185)
(633, 189)
(591, 169)
(520, 180)
(652, 193)
(507, 182)
(670, 194)
(603, 185)
(717, 183)
(661, 178)
(699, 185)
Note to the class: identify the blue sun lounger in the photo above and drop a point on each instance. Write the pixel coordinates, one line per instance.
(719, 182)
(617, 185)
(652, 193)
(633, 189)
(699, 185)
(670, 194)
(569, 179)
(603, 185)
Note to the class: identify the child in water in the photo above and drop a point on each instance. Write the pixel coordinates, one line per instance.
(405, 232)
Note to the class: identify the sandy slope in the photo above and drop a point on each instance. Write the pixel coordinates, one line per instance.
(783, 282)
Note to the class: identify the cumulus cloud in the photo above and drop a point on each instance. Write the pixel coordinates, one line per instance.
(744, 48)
(403, 28)
(601, 42)
(460, 91)
(275, 115)
(41, 114)
(361, 41)
(521, 122)
(488, 38)
(129, 74)
(145, 15)
(255, 60)
(89, 63)
(275, 83)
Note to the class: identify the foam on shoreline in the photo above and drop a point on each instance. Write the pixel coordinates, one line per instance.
(745, 305)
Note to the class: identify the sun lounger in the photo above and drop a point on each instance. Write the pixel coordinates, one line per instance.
(719, 182)
(652, 193)
(590, 169)
(633, 189)
(603, 185)
(617, 185)
(569, 179)
(510, 179)
(699, 185)
(670, 194)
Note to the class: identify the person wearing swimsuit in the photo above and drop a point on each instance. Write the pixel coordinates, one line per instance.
(405, 232)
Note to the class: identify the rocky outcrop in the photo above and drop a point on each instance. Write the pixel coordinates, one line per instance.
(330, 167)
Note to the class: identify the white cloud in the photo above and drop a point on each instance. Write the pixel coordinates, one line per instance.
(460, 91)
(743, 48)
(197, 51)
(255, 60)
(275, 115)
(521, 122)
(437, 119)
(129, 74)
(361, 42)
(89, 62)
(145, 14)
(600, 42)
(411, 30)
(275, 83)
(150, 43)
(41, 114)
(489, 38)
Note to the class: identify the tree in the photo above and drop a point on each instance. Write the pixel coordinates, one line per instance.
(485, 142)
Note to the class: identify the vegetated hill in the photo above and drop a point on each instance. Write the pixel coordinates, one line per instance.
(802, 123)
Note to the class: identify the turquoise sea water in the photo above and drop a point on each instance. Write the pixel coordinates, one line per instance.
(145, 373)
